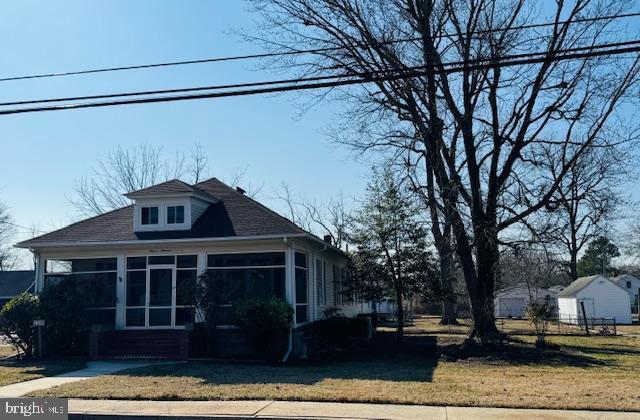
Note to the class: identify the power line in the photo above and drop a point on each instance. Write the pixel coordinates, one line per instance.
(307, 51)
(328, 84)
(590, 48)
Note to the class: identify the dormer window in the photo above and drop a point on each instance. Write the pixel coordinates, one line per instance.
(149, 215)
(175, 215)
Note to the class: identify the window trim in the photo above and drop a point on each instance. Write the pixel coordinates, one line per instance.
(150, 223)
(266, 251)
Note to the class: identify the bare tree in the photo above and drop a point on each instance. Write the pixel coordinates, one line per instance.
(587, 198)
(473, 98)
(125, 170)
(7, 230)
(330, 218)
(199, 164)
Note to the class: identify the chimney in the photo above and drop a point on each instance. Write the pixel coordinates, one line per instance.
(240, 190)
(327, 239)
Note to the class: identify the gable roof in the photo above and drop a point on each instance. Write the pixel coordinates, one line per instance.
(621, 279)
(13, 283)
(582, 282)
(232, 215)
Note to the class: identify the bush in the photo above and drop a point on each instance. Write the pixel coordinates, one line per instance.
(540, 314)
(16, 322)
(334, 335)
(67, 325)
(266, 321)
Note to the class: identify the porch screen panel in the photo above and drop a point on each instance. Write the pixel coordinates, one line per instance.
(242, 276)
(186, 280)
(136, 292)
(93, 278)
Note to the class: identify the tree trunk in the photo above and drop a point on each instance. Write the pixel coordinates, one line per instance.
(481, 296)
(400, 329)
(449, 315)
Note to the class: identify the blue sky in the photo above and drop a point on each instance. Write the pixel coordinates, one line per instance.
(43, 154)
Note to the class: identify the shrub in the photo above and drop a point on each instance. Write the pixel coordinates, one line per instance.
(266, 322)
(63, 307)
(16, 322)
(539, 315)
(334, 335)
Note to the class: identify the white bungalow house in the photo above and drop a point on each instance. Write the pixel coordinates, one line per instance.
(147, 253)
(600, 297)
(511, 302)
(632, 285)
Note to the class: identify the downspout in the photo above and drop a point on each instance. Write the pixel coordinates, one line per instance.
(290, 340)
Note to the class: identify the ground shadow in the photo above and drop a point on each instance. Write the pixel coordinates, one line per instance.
(381, 359)
(515, 352)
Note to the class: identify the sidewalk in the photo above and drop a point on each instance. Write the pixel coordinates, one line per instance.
(196, 410)
(92, 370)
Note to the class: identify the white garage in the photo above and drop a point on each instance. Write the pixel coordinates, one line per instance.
(600, 297)
(512, 301)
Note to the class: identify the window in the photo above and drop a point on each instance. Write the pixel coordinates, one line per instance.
(337, 286)
(301, 287)
(175, 215)
(95, 278)
(321, 290)
(241, 276)
(628, 285)
(149, 216)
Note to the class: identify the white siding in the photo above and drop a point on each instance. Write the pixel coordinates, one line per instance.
(197, 208)
(610, 301)
(568, 309)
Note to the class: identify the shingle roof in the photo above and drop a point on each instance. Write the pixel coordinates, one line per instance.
(579, 284)
(233, 215)
(174, 186)
(15, 282)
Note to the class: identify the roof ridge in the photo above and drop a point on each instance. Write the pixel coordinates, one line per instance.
(257, 203)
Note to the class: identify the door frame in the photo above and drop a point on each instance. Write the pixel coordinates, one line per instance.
(147, 306)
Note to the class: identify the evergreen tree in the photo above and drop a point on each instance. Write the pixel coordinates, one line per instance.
(391, 257)
(597, 258)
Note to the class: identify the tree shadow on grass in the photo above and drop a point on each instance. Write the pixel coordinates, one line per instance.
(518, 353)
(380, 360)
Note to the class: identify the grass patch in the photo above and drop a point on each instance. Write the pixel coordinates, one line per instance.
(20, 371)
(597, 372)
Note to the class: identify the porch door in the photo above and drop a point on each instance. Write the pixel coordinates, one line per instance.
(161, 296)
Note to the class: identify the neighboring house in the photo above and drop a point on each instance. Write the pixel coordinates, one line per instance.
(12, 283)
(632, 285)
(556, 289)
(512, 301)
(147, 254)
(601, 298)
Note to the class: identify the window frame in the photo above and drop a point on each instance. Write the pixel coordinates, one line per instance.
(174, 278)
(240, 267)
(175, 208)
(150, 208)
(46, 274)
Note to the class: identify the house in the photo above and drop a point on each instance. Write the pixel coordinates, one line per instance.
(632, 285)
(12, 283)
(556, 289)
(600, 297)
(148, 254)
(511, 302)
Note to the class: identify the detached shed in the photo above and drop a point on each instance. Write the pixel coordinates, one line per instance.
(602, 298)
(512, 301)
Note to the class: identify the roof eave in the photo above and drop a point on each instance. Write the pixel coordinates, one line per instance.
(68, 244)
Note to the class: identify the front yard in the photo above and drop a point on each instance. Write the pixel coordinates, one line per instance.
(20, 371)
(597, 372)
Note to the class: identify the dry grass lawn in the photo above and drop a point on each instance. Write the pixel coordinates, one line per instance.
(20, 371)
(598, 372)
